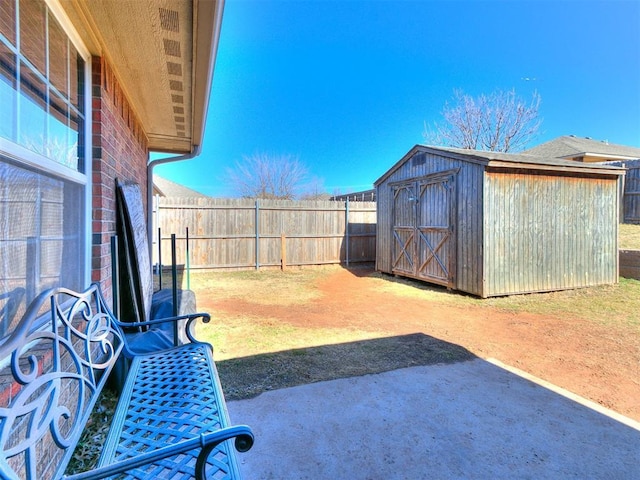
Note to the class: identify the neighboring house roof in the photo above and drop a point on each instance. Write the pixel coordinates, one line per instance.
(507, 160)
(162, 53)
(167, 188)
(570, 146)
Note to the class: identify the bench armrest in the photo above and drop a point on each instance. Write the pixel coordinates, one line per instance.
(206, 442)
(191, 318)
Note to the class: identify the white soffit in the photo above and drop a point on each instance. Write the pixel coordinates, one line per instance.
(162, 52)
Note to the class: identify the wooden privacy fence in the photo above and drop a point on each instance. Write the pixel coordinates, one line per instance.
(631, 200)
(246, 233)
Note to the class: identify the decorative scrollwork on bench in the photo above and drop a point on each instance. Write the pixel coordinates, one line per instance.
(171, 414)
(51, 368)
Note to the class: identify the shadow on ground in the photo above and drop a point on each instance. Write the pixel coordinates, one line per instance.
(248, 377)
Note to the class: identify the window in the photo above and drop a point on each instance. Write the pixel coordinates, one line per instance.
(44, 182)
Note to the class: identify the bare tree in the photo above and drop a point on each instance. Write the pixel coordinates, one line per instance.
(314, 190)
(267, 176)
(499, 122)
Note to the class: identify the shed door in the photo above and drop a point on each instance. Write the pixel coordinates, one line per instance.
(423, 234)
(404, 229)
(434, 231)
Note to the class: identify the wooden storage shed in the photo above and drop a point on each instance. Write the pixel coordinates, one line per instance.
(491, 223)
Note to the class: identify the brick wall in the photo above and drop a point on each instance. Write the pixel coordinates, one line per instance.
(120, 150)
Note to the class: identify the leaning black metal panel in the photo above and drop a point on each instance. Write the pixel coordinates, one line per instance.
(53, 366)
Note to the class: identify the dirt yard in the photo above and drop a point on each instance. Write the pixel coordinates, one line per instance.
(582, 356)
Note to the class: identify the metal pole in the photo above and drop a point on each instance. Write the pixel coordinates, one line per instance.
(174, 286)
(115, 276)
(159, 259)
(346, 230)
(156, 222)
(187, 263)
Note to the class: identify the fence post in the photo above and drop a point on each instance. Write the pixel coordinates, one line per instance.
(283, 251)
(346, 230)
(257, 222)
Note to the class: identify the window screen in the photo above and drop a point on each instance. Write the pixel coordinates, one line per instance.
(41, 237)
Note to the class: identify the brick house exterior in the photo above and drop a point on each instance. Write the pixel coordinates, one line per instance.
(120, 150)
(89, 90)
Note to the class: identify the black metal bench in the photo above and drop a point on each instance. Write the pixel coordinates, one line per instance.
(171, 419)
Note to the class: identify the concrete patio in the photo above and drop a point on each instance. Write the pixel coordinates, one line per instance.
(471, 420)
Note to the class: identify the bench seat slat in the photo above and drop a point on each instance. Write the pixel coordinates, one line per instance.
(170, 396)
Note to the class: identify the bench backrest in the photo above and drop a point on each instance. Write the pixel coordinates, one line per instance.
(52, 369)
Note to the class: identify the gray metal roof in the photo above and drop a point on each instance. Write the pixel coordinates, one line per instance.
(523, 161)
(522, 157)
(571, 146)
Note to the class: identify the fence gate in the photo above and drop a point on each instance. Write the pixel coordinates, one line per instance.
(423, 235)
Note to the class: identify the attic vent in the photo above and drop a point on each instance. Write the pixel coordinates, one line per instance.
(174, 68)
(177, 98)
(418, 160)
(171, 47)
(178, 110)
(175, 85)
(169, 20)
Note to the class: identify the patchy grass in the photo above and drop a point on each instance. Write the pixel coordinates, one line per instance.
(258, 353)
(416, 289)
(267, 287)
(606, 304)
(256, 336)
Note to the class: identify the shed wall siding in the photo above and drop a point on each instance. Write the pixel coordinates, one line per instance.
(470, 249)
(545, 233)
(468, 216)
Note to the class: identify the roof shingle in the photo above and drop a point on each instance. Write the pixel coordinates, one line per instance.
(570, 146)
(167, 188)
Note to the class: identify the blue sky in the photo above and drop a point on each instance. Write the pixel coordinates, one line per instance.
(346, 86)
